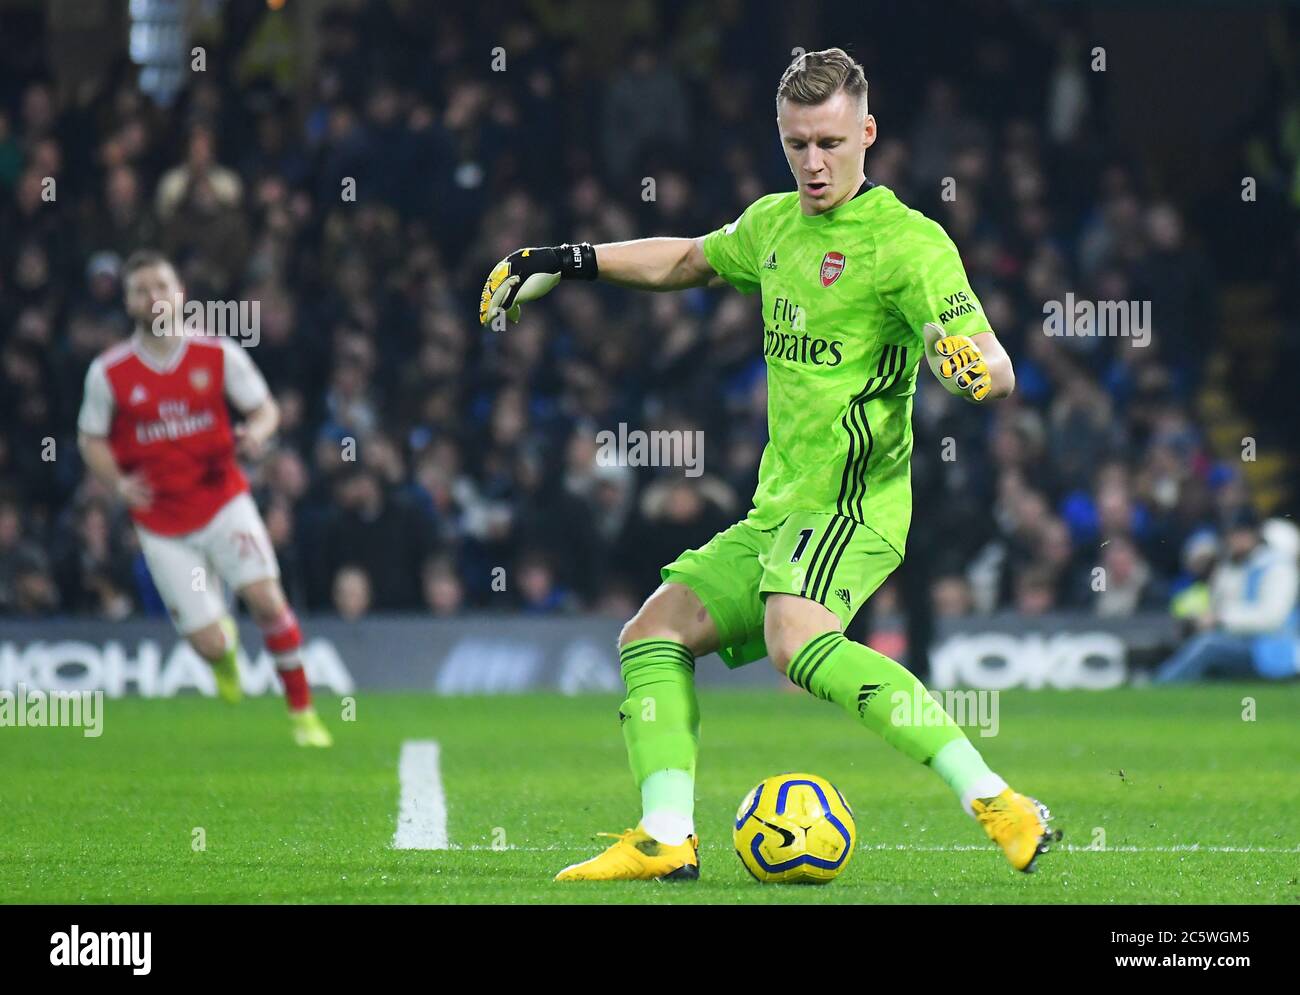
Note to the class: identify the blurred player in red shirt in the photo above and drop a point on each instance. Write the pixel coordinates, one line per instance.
(155, 429)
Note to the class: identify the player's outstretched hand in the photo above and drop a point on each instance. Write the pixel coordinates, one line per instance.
(958, 363)
(132, 489)
(527, 274)
(250, 444)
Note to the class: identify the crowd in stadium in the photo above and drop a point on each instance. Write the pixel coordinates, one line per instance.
(418, 452)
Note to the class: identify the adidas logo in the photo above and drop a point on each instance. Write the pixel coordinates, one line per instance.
(843, 594)
(770, 261)
(138, 395)
(865, 694)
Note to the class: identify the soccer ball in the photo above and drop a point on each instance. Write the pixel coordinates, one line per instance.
(794, 829)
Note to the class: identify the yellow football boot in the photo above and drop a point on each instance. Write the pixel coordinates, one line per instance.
(309, 730)
(1017, 823)
(638, 856)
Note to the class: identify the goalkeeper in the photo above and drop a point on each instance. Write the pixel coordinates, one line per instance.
(856, 288)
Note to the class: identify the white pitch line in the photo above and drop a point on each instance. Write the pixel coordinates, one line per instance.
(957, 848)
(422, 809)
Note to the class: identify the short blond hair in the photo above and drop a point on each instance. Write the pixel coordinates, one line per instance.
(815, 77)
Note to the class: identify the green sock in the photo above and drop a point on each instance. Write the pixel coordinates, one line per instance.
(661, 726)
(889, 700)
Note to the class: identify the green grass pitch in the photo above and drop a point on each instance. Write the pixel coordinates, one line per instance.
(113, 820)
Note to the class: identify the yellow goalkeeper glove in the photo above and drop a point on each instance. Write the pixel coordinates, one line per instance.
(957, 363)
(527, 274)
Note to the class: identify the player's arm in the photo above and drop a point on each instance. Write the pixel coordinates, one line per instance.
(656, 264)
(643, 264)
(923, 278)
(255, 431)
(100, 462)
(247, 392)
(93, 424)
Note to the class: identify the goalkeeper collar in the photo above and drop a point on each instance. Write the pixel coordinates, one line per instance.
(849, 207)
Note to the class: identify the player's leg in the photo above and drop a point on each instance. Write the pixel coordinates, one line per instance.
(806, 643)
(708, 600)
(218, 643)
(193, 594)
(660, 717)
(818, 571)
(239, 547)
(283, 638)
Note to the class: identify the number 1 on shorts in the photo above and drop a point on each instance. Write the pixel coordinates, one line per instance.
(804, 536)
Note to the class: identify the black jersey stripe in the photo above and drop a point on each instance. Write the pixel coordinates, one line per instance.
(855, 430)
(858, 486)
(814, 580)
(815, 559)
(861, 441)
(835, 563)
(853, 484)
(898, 367)
(902, 368)
(827, 568)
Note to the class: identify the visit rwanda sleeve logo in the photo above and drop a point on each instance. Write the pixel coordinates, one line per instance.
(956, 305)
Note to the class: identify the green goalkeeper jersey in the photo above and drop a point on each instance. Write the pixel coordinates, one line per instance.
(845, 296)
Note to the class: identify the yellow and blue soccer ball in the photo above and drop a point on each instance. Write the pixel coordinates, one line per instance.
(795, 829)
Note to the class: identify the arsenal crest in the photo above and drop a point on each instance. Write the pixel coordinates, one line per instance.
(200, 378)
(832, 267)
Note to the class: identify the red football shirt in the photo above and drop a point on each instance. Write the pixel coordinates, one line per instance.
(170, 424)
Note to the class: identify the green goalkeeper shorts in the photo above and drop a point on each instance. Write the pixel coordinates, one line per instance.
(821, 556)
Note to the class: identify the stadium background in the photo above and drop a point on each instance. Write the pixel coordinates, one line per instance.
(478, 450)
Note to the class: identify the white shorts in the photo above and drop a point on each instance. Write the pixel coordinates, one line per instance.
(189, 569)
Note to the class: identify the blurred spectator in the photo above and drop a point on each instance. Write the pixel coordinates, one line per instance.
(1035, 594)
(537, 590)
(951, 596)
(645, 110)
(351, 593)
(1252, 627)
(1191, 600)
(93, 574)
(200, 169)
(676, 514)
(444, 594)
(1127, 584)
(378, 533)
(24, 567)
